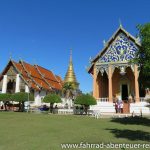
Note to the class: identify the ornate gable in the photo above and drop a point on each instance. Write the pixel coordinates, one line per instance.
(120, 50)
(11, 73)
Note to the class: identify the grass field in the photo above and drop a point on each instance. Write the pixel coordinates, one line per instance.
(23, 131)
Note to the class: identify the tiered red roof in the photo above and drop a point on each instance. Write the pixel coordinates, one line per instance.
(37, 76)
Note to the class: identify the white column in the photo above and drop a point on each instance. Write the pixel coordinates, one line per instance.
(17, 83)
(4, 87)
(36, 98)
(26, 89)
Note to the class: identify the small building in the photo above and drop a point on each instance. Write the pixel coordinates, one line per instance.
(115, 77)
(24, 77)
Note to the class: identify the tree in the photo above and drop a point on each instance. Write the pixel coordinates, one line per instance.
(22, 97)
(5, 97)
(86, 100)
(143, 55)
(52, 98)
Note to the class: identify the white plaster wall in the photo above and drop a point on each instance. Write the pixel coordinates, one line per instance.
(66, 101)
(38, 96)
(42, 95)
(37, 100)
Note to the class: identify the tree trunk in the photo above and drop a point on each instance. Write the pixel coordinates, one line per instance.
(86, 109)
(51, 108)
(5, 106)
(22, 107)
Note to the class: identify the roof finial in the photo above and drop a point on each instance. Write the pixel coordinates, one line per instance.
(10, 55)
(120, 24)
(71, 54)
(20, 58)
(104, 42)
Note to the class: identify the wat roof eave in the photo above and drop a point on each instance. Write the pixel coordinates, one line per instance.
(33, 77)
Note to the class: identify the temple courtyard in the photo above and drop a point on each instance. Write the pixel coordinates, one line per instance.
(30, 131)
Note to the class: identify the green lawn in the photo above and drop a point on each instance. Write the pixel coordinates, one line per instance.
(23, 131)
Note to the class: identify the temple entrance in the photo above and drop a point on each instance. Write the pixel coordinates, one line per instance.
(124, 89)
(11, 86)
(124, 94)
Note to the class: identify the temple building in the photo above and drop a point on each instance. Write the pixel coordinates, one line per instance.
(115, 77)
(70, 76)
(23, 77)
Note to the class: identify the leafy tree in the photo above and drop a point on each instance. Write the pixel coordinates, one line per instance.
(5, 97)
(143, 55)
(86, 100)
(22, 97)
(52, 98)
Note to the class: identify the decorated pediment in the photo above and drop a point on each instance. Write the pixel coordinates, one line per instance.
(122, 49)
(11, 73)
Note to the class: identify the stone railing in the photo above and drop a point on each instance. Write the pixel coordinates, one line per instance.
(103, 99)
(142, 99)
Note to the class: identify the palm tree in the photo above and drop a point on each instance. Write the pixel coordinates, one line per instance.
(68, 91)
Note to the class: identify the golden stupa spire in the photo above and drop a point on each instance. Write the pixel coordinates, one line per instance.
(70, 75)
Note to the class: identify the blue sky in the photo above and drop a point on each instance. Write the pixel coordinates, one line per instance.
(43, 31)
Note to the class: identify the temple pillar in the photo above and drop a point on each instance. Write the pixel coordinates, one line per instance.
(95, 84)
(17, 89)
(4, 86)
(27, 89)
(136, 75)
(110, 83)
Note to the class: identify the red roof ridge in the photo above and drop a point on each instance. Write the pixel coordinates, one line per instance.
(40, 77)
(60, 79)
(51, 72)
(36, 66)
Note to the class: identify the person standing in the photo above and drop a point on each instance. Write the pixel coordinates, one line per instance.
(121, 107)
(116, 107)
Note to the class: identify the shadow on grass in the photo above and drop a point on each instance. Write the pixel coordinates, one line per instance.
(132, 120)
(131, 135)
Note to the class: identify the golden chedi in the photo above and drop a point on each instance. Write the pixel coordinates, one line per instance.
(70, 75)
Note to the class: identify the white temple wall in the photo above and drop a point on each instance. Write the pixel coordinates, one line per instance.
(42, 95)
(38, 96)
(27, 89)
(37, 100)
